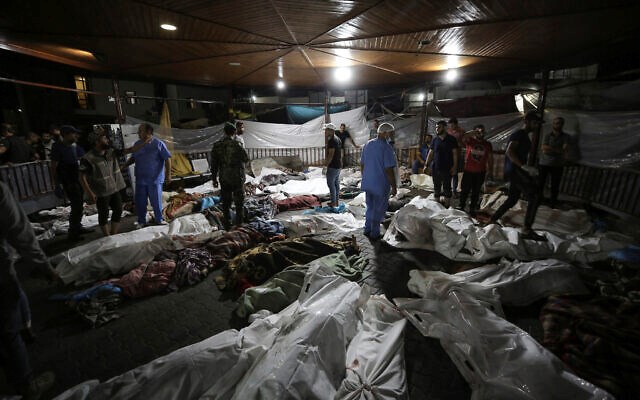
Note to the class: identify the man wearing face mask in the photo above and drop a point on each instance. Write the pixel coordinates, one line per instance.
(378, 164)
(478, 161)
(522, 176)
(444, 154)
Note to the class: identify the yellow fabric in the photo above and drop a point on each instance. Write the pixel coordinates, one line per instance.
(240, 114)
(180, 165)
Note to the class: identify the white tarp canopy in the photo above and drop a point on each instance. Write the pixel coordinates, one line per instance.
(267, 135)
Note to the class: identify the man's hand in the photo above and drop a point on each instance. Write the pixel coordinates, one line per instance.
(453, 171)
(167, 180)
(394, 191)
(215, 183)
(427, 170)
(92, 198)
(533, 171)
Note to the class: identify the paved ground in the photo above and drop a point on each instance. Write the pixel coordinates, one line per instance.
(155, 326)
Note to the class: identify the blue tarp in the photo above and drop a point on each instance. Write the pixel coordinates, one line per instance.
(302, 114)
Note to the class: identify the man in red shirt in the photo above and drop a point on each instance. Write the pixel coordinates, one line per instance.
(478, 160)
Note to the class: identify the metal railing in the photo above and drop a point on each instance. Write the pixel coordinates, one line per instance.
(28, 180)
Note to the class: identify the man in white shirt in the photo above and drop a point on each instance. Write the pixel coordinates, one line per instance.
(239, 132)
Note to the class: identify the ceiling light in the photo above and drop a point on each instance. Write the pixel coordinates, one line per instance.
(280, 85)
(342, 74)
(168, 27)
(235, 64)
(420, 96)
(451, 75)
(253, 98)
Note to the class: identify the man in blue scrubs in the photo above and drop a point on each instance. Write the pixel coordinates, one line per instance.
(153, 168)
(377, 164)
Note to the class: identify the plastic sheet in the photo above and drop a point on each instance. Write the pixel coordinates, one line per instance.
(314, 186)
(375, 357)
(570, 222)
(498, 359)
(298, 353)
(424, 223)
(267, 135)
(517, 283)
(313, 224)
(118, 254)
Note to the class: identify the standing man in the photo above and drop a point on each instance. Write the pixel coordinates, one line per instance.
(378, 164)
(13, 149)
(16, 232)
(421, 158)
(444, 154)
(153, 168)
(47, 144)
(333, 162)
(373, 132)
(344, 135)
(102, 181)
(521, 176)
(554, 150)
(65, 162)
(227, 162)
(37, 149)
(457, 132)
(478, 160)
(239, 132)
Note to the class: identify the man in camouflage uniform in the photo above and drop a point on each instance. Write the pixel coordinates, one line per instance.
(227, 162)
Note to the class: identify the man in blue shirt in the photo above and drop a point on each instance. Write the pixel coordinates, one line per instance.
(153, 168)
(444, 154)
(65, 162)
(377, 164)
(521, 176)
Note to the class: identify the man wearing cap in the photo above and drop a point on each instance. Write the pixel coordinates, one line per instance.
(239, 132)
(333, 162)
(378, 164)
(65, 163)
(153, 168)
(102, 180)
(227, 164)
(444, 155)
(521, 176)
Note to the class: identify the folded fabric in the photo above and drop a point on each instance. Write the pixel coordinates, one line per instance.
(267, 228)
(260, 207)
(179, 205)
(297, 203)
(208, 202)
(328, 209)
(87, 293)
(147, 279)
(232, 243)
(193, 266)
(260, 263)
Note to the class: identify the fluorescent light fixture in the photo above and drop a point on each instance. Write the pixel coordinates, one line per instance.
(451, 75)
(342, 74)
(168, 27)
(420, 96)
(234, 64)
(280, 84)
(253, 98)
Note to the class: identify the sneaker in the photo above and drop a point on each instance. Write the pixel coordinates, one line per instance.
(532, 235)
(38, 386)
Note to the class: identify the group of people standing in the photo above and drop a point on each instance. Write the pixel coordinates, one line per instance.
(451, 152)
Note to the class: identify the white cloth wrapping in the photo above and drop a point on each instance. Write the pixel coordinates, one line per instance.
(426, 224)
(498, 359)
(318, 223)
(118, 254)
(375, 357)
(299, 353)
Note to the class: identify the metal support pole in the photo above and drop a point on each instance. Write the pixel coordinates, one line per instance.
(542, 101)
(424, 122)
(120, 116)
